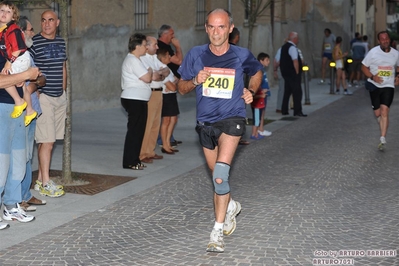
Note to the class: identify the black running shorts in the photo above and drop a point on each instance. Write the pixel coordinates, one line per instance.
(381, 96)
(209, 133)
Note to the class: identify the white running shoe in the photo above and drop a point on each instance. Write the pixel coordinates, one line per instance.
(265, 133)
(17, 214)
(50, 190)
(3, 225)
(230, 220)
(216, 243)
(381, 146)
(348, 92)
(39, 184)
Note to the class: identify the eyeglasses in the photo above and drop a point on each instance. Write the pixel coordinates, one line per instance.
(30, 29)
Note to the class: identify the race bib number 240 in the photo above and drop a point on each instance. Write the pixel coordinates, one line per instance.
(220, 84)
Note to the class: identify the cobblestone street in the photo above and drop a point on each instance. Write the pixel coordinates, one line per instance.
(317, 184)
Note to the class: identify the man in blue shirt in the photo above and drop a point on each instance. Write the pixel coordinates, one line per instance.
(358, 54)
(12, 148)
(216, 72)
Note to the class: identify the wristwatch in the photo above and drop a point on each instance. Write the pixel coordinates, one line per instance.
(252, 92)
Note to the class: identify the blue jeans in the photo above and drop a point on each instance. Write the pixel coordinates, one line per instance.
(12, 155)
(26, 183)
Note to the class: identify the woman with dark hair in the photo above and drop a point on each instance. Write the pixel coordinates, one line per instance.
(339, 65)
(136, 93)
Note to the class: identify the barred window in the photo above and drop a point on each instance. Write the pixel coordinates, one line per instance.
(140, 14)
(201, 12)
(247, 6)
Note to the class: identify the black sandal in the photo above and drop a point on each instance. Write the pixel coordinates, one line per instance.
(138, 166)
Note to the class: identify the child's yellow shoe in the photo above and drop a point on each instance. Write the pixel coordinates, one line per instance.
(18, 110)
(29, 118)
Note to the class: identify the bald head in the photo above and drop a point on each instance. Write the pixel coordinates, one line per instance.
(220, 11)
(293, 37)
(50, 13)
(49, 24)
(152, 45)
(151, 39)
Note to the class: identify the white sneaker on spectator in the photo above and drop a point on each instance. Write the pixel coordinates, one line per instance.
(348, 92)
(39, 184)
(265, 133)
(17, 214)
(3, 225)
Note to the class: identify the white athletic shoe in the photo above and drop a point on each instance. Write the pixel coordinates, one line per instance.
(17, 214)
(3, 225)
(216, 243)
(348, 92)
(230, 220)
(382, 144)
(265, 133)
(39, 184)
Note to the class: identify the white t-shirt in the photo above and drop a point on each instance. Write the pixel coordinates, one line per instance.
(153, 62)
(293, 51)
(171, 77)
(382, 64)
(328, 43)
(132, 86)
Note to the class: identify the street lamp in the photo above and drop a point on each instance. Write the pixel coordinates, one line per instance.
(332, 77)
(305, 70)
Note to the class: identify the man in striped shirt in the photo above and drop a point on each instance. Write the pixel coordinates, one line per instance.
(49, 54)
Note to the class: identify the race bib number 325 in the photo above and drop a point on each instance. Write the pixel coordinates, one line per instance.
(220, 84)
(385, 72)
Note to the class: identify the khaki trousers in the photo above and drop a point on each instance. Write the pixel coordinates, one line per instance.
(152, 126)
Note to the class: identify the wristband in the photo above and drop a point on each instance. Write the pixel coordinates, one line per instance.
(252, 92)
(195, 82)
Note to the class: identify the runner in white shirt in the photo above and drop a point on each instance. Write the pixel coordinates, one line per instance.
(381, 67)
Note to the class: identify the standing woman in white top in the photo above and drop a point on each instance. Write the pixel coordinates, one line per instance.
(136, 92)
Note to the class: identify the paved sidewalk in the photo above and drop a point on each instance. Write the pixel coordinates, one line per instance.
(318, 183)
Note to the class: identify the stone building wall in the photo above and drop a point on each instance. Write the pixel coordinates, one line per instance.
(99, 33)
